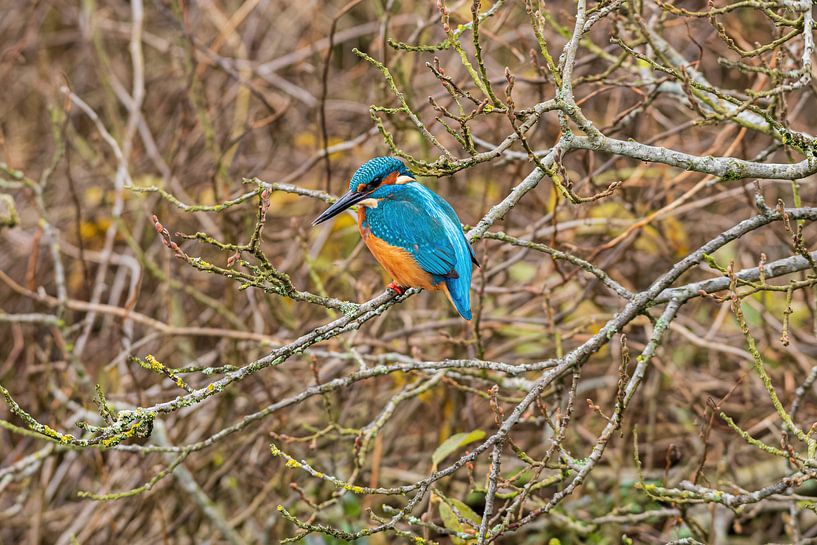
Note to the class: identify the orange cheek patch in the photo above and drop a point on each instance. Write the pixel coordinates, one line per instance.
(390, 179)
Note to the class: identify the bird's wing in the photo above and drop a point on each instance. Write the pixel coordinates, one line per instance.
(449, 211)
(425, 234)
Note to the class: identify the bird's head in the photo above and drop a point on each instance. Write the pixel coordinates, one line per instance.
(373, 180)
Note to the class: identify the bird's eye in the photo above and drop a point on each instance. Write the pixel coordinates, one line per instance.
(363, 188)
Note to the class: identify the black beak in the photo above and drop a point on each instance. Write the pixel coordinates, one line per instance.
(349, 199)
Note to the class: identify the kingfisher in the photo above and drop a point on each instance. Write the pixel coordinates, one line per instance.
(411, 231)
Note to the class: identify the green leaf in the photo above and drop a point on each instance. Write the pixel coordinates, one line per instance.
(454, 443)
(452, 522)
(351, 506)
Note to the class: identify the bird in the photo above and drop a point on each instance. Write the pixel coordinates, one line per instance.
(411, 231)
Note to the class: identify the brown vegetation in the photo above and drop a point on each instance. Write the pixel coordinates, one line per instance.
(183, 359)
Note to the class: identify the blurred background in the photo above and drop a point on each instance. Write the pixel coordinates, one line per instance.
(228, 91)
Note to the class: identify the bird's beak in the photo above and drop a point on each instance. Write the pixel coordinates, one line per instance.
(349, 199)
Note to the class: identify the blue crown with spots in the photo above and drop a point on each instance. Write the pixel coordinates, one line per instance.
(379, 167)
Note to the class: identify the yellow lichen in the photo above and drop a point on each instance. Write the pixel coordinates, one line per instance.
(51, 432)
(155, 364)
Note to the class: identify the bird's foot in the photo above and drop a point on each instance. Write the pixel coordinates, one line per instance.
(397, 288)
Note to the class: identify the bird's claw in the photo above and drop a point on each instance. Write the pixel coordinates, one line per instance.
(397, 288)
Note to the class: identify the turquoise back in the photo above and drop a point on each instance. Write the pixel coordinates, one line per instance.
(414, 218)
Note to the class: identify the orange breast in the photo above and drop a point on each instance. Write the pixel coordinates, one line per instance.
(399, 263)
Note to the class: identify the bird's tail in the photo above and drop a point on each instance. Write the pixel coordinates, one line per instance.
(458, 291)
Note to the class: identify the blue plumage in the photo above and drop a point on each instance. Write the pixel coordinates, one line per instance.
(413, 232)
(410, 217)
(377, 168)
